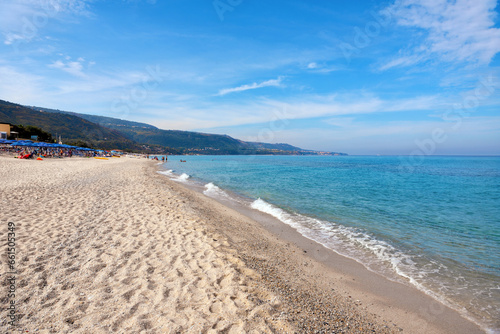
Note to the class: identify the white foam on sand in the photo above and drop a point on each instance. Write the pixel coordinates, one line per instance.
(211, 190)
(167, 172)
(183, 177)
(179, 178)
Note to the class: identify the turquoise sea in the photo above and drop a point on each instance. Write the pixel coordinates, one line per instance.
(433, 222)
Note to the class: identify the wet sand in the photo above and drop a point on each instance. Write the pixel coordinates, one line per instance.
(107, 246)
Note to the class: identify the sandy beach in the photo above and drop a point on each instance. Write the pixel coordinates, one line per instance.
(111, 246)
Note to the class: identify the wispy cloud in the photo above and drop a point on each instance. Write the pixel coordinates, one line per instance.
(188, 115)
(396, 137)
(312, 65)
(401, 62)
(320, 68)
(388, 137)
(268, 83)
(72, 67)
(457, 31)
(21, 20)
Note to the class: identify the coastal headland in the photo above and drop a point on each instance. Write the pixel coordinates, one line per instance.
(103, 246)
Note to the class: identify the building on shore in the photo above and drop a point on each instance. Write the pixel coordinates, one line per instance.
(5, 130)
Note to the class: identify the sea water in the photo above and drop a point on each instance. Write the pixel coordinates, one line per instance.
(432, 222)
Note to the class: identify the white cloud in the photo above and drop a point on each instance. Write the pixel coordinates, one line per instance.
(187, 115)
(11, 38)
(457, 31)
(394, 137)
(321, 68)
(72, 67)
(268, 83)
(340, 121)
(326, 70)
(401, 61)
(350, 104)
(22, 20)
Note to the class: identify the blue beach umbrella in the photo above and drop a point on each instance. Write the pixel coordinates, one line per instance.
(6, 141)
(20, 144)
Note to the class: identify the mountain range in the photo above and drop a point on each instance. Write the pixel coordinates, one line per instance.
(112, 133)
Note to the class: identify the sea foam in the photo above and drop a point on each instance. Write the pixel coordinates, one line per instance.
(347, 241)
(167, 172)
(376, 255)
(212, 190)
(179, 178)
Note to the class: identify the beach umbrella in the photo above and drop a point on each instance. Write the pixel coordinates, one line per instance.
(45, 144)
(19, 143)
(25, 142)
(22, 143)
(67, 146)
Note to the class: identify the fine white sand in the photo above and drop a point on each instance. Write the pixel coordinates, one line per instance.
(102, 248)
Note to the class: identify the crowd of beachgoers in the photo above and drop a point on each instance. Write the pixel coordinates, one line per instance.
(32, 150)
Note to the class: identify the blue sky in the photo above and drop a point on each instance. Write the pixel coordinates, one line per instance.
(365, 77)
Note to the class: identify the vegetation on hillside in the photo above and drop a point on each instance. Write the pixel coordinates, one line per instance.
(29, 130)
(70, 128)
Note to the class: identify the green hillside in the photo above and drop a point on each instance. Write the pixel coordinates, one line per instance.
(71, 128)
(190, 142)
(108, 122)
(184, 141)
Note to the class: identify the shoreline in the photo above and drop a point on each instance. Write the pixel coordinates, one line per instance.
(386, 298)
(113, 246)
